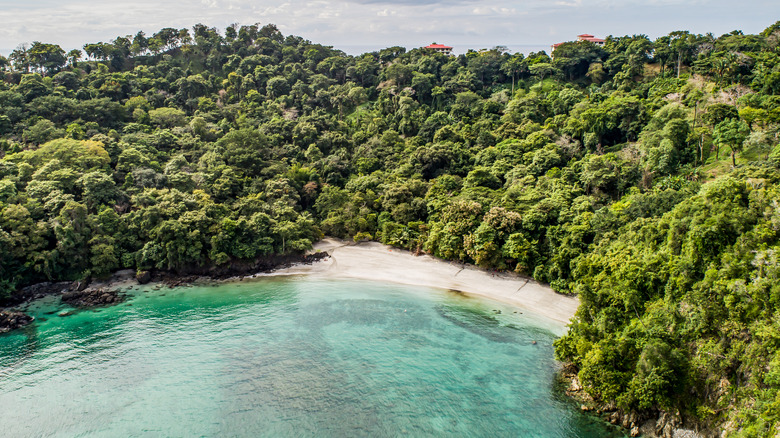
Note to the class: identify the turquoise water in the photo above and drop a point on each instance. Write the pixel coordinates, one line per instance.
(285, 357)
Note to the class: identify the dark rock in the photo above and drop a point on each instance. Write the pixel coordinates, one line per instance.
(80, 285)
(38, 290)
(92, 298)
(143, 277)
(12, 320)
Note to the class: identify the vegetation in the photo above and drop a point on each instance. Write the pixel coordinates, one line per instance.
(641, 175)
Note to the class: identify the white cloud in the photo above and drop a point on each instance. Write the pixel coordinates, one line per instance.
(569, 4)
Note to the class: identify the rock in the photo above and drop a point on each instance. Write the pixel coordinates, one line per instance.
(41, 290)
(12, 320)
(123, 275)
(79, 285)
(143, 277)
(635, 431)
(92, 298)
(311, 258)
(647, 428)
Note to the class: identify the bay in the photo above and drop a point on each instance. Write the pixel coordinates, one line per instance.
(292, 356)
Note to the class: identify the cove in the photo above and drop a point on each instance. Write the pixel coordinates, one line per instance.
(291, 356)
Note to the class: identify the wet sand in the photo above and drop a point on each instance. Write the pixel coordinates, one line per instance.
(377, 262)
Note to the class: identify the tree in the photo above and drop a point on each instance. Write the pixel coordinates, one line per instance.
(682, 43)
(167, 117)
(99, 188)
(514, 66)
(20, 58)
(140, 44)
(73, 57)
(732, 133)
(542, 70)
(101, 51)
(245, 149)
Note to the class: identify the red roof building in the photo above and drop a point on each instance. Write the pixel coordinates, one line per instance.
(591, 38)
(441, 48)
(584, 37)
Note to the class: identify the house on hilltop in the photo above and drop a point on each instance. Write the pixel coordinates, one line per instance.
(584, 37)
(447, 50)
(590, 38)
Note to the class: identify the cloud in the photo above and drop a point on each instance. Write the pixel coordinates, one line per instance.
(413, 2)
(494, 11)
(569, 4)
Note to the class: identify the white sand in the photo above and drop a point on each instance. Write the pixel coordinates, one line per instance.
(374, 261)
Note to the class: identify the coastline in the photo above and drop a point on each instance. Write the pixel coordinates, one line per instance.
(377, 262)
(371, 261)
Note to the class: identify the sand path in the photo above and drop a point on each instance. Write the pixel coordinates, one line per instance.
(377, 262)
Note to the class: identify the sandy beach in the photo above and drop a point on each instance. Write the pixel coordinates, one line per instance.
(374, 261)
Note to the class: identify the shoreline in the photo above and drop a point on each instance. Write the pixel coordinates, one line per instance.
(377, 262)
(372, 261)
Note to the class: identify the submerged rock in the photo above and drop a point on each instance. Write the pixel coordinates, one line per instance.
(11, 320)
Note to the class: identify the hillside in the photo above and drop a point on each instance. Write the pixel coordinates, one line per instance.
(641, 175)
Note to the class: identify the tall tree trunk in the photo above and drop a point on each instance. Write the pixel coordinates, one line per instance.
(701, 149)
(679, 63)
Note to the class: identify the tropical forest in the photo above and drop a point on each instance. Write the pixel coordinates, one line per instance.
(641, 176)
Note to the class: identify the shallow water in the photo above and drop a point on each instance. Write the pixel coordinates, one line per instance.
(286, 357)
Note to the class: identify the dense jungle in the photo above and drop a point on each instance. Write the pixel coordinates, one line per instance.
(641, 175)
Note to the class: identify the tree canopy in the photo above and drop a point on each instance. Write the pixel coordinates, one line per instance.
(597, 170)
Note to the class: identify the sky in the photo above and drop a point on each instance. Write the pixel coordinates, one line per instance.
(355, 25)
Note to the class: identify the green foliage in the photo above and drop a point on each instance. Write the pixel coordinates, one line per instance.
(167, 117)
(597, 170)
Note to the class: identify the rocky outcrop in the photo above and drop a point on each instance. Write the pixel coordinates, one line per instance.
(40, 290)
(80, 285)
(143, 277)
(92, 297)
(12, 320)
(658, 424)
